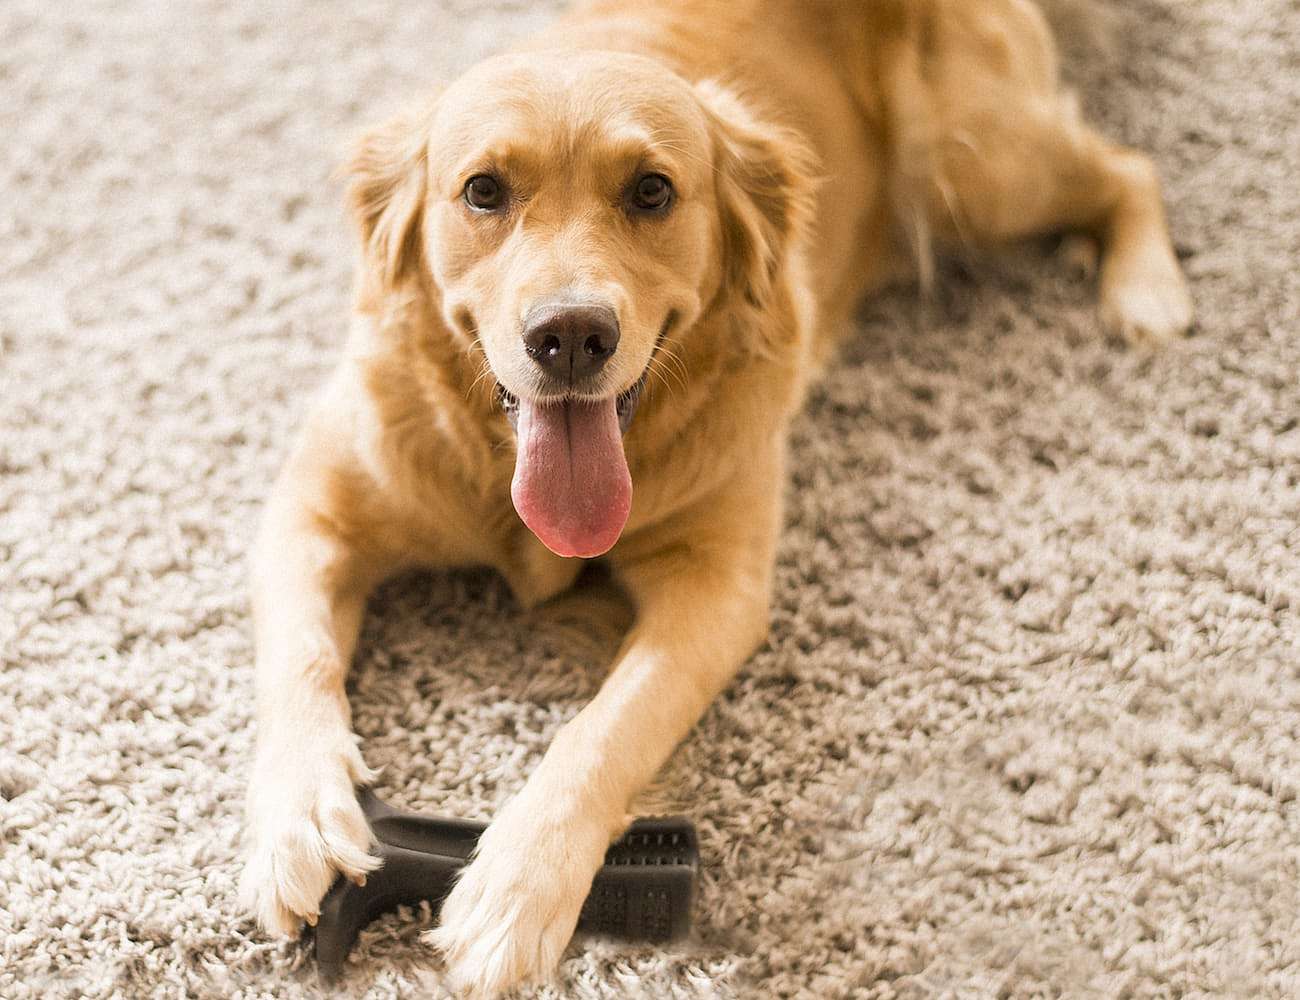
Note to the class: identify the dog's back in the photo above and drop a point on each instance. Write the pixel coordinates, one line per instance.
(935, 121)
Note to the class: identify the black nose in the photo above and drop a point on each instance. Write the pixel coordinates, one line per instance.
(571, 342)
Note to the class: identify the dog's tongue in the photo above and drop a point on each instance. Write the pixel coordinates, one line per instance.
(571, 484)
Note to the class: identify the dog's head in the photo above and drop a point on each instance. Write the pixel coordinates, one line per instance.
(573, 210)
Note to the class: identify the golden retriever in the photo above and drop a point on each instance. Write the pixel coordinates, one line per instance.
(595, 277)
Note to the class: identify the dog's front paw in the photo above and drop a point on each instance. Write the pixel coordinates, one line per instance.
(1147, 305)
(516, 905)
(305, 827)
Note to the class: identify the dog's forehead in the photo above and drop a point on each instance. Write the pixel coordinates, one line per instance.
(603, 95)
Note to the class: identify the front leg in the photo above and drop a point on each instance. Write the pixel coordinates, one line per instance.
(702, 605)
(304, 823)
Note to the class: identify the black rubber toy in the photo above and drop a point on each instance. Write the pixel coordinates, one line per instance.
(643, 892)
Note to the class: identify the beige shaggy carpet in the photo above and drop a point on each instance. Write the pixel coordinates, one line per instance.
(1027, 722)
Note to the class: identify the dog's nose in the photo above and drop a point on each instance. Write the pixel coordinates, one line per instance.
(571, 342)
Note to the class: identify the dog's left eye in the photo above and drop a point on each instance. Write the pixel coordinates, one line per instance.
(485, 193)
(652, 193)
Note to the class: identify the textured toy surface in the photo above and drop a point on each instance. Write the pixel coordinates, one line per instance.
(644, 891)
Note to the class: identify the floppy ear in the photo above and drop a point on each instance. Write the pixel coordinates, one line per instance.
(386, 192)
(765, 184)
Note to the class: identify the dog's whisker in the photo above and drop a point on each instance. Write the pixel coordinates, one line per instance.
(484, 373)
(663, 375)
(671, 370)
(669, 356)
(660, 143)
(712, 167)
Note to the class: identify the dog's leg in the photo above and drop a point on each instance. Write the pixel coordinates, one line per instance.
(989, 150)
(702, 606)
(304, 824)
(1062, 175)
(1144, 296)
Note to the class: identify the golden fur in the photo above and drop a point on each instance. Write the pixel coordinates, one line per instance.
(817, 149)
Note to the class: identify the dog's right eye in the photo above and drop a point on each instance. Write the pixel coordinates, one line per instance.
(652, 193)
(484, 193)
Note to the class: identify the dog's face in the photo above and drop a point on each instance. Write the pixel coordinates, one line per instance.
(571, 218)
(571, 210)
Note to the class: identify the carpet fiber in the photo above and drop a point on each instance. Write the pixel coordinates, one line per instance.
(1027, 721)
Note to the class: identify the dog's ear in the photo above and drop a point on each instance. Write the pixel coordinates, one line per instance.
(766, 177)
(387, 181)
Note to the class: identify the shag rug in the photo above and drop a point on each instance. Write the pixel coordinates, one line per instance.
(1027, 721)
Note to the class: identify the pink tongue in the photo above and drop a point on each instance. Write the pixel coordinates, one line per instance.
(571, 484)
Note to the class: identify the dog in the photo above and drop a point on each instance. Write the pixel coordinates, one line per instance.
(595, 277)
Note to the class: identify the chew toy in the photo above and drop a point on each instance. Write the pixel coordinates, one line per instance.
(643, 892)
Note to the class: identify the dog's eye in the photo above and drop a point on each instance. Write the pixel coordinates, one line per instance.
(652, 193)
(484, 193)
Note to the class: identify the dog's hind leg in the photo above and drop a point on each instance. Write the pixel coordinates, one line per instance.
(987, 149)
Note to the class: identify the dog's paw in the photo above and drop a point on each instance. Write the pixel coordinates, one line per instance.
(516, 906)
(1147, 306)
(305, 827)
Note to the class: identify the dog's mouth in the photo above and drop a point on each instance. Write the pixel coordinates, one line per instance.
(625, 404)
(571, 484)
